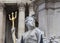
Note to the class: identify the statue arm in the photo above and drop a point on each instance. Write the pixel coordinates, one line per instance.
(13, 35)
(39, 36)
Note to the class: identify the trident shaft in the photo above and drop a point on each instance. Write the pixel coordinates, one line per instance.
(13, 28)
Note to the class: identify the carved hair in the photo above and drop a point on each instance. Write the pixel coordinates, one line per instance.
(29, 17)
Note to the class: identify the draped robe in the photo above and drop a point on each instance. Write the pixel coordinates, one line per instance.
(32, 36)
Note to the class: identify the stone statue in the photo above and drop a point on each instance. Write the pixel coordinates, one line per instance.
(34, 34)
(53, 39)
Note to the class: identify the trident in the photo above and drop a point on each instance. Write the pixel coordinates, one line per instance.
(13, 28)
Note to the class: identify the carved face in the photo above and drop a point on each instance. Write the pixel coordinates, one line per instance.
(30, 21)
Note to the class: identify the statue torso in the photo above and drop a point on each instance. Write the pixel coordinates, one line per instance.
(32, 36)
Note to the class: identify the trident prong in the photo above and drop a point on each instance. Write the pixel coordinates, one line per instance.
(16, 14)
(9, 17)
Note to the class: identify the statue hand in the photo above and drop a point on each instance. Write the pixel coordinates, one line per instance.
(13, 30)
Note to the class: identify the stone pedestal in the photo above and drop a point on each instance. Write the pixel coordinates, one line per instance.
(54, 19)
(31, 10)
(2, 25)
(21, 22)
(42, 19)
(49, 18)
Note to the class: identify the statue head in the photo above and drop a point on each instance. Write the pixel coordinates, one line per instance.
(30, 21)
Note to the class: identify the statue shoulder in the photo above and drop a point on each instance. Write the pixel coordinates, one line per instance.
(25, 34)
(38, 30)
